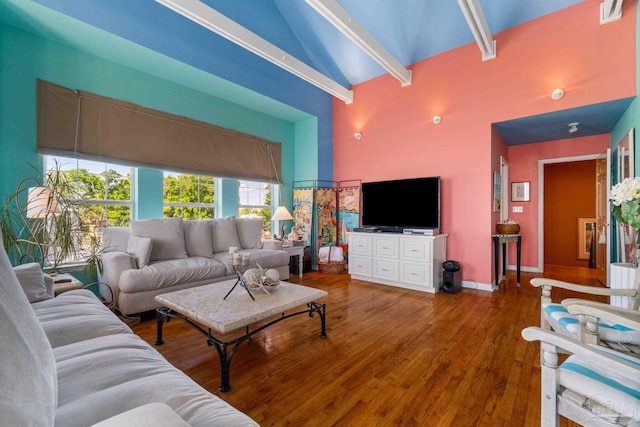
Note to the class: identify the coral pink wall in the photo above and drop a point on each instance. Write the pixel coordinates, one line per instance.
(568, 49)
(523, 166)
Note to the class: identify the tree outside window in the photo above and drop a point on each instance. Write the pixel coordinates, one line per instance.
(189, 196)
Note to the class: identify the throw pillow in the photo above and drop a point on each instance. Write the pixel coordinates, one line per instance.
(167, 235)
(115, 239)
(28, 369)
(250, 232)
(225, 234)
(198, 238)
(31, 279)
(140, 248)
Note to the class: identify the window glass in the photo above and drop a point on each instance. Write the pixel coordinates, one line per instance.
(255, 201)
(103, 190)
(189, 196)
(100, 194)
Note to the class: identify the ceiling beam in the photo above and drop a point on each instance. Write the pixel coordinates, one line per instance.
(343, 21)
(213, 20)
(610, 10)
(477, 22)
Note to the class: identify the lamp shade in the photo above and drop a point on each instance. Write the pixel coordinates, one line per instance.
(41, 202)
(281, 214)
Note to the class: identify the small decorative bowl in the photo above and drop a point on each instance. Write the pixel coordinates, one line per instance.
(507, 228)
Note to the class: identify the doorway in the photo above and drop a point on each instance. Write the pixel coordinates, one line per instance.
(573, 213)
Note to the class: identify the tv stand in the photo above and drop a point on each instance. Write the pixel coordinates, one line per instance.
(407, 261)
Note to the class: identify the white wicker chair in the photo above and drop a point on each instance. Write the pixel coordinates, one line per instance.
(582, 323)
(594, 386)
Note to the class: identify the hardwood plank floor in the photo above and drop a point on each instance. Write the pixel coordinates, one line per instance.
(391, 357)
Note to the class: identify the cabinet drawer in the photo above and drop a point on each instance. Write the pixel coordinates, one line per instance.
(360, 245)
(416, 274)
(385, 269)
(415, 249)
(385, 247)
(359, 266)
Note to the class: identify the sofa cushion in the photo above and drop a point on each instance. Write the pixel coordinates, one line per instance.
(115, 239)
(198, 238)
(164, 274)
(27, 370)
(266, 258)
(140, 248)
(250, 232)
(76, 316)
(105, 376)
(225, 234)
(32, 280)
(154, 414)
(167, 235)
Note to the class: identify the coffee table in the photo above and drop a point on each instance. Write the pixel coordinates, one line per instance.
(206, 310)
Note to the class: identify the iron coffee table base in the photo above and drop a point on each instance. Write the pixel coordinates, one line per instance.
(226, 349)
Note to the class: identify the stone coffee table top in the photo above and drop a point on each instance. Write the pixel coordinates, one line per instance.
(206, 304)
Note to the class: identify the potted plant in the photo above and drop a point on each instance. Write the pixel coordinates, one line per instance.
(40, 222)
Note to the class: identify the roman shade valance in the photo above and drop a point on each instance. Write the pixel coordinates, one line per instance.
(85, 125)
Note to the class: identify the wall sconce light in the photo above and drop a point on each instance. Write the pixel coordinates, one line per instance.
(557, 94)
(573, 127)
(358, 135)
(437, 120)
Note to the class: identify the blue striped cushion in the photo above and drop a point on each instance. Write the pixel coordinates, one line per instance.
(603, 386)
(606, 330)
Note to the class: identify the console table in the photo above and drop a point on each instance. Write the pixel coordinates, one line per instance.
(503, 239)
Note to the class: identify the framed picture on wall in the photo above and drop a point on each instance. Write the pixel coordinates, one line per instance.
(520, 191)
(586, 232)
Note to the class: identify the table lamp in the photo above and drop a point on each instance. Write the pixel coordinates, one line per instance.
(281, 214)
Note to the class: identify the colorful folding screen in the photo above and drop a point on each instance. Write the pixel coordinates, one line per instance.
(325, 213)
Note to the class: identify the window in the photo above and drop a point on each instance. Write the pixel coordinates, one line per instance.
(255, 201)
(100, 191)
(104, 188)
(188, 196)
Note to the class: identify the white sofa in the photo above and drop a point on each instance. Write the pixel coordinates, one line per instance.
(69, 361)
(156, 256)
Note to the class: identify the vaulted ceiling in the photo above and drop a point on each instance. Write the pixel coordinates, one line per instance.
(205, 35)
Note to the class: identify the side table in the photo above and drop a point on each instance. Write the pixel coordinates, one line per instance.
(504, 239)
(296, 251)
(63, 282)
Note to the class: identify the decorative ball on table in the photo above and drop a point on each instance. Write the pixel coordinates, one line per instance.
(252, 277)
(271, 278)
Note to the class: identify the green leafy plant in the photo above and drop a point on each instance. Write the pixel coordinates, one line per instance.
(54, 236)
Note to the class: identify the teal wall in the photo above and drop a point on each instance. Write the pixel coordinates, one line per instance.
(631, 118)
(25, 58)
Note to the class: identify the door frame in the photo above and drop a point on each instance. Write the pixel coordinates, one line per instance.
(541, 164)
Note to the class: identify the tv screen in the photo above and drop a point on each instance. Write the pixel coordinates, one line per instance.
(403, 203)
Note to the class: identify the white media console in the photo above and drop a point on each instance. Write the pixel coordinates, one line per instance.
(406, 261)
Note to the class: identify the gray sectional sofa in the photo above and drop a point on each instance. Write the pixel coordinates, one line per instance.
(156, 256)
(69, 361)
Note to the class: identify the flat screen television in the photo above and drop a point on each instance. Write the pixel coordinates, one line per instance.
(393, 206)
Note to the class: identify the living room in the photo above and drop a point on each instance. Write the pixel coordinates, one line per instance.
(594, 64)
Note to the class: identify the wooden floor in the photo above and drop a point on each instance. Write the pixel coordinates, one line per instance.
(391, 357)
